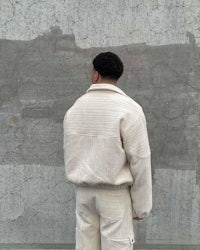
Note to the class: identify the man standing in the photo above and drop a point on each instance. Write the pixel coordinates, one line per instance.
(108, 160)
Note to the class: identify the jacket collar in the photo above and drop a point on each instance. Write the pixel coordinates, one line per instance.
(99, 86)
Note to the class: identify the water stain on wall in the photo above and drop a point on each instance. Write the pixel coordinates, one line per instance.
(40, 79)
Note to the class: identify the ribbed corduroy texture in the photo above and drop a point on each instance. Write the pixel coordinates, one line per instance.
(103, 226)
(106, 143)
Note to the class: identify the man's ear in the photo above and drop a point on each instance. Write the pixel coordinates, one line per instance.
(96, 76)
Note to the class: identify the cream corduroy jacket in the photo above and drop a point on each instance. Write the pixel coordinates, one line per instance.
(106, 142)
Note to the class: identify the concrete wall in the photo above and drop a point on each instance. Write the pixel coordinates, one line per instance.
(46, 48)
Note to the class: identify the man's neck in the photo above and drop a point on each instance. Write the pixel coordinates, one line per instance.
(106, 81)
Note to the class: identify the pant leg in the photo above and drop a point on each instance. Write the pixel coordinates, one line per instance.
(87, 221)
(116, 219)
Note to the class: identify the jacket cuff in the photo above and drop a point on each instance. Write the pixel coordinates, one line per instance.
(140, 214)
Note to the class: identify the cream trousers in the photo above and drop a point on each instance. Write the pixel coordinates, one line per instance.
(104, 219)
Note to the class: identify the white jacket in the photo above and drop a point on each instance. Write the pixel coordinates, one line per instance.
(106, 143)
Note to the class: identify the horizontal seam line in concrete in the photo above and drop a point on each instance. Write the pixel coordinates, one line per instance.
(168, 246)
(37, 245)
(72, 246)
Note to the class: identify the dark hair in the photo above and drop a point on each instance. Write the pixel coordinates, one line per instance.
(109, 65)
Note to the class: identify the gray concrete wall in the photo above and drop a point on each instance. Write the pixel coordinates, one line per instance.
(46, 48)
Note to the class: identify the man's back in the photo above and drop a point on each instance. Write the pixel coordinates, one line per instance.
(93, 128)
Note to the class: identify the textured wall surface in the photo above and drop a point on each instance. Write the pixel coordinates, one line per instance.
(103, 23)
(43, 72)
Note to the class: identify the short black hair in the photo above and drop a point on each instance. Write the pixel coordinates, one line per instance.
(109, 65)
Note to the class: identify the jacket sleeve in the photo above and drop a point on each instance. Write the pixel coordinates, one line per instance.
(64, 131)
(136, 145)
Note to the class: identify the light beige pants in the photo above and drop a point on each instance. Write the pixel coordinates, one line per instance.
(104, 219)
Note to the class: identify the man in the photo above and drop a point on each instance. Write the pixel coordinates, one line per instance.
(107, 159)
